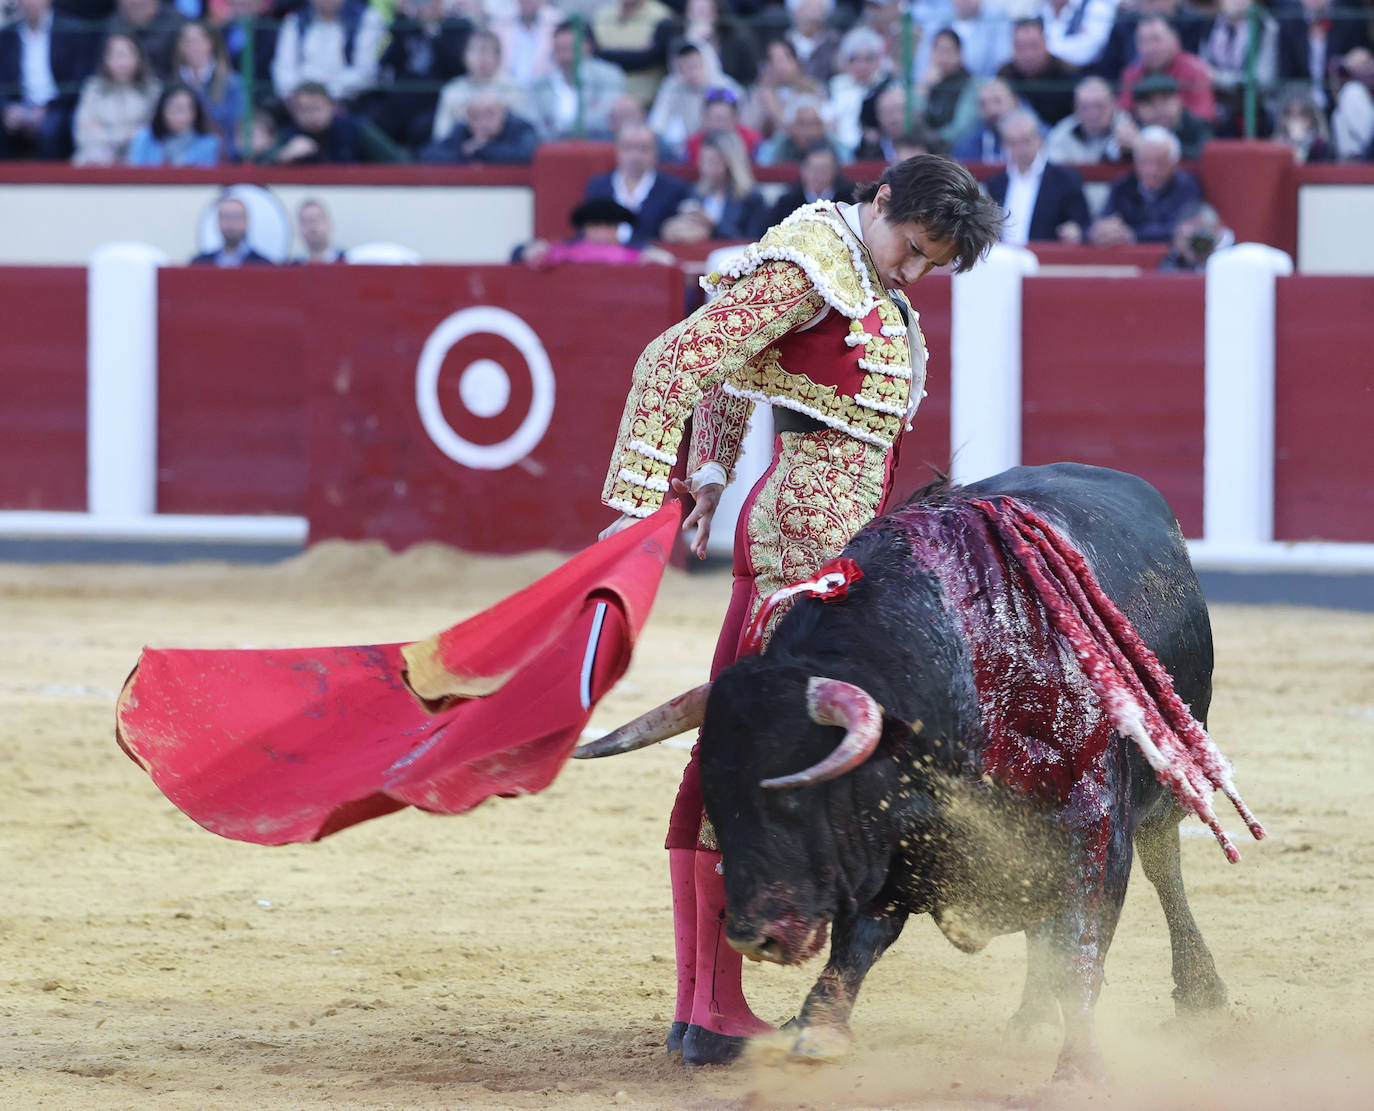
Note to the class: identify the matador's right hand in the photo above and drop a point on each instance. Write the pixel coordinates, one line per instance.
(707, 498)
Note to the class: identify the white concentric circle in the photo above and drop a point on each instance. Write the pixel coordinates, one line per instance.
(490, 385)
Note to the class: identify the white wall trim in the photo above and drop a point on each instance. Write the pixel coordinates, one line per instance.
(985, 364)
(121, 380)
(1238, 452)
(36, 524)
(1308, 555)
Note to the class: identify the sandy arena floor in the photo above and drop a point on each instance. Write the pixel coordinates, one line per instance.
(521, 956)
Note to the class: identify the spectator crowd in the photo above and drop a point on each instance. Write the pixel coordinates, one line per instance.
(1037, 86)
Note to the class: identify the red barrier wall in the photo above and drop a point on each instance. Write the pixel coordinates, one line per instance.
(1113, 374)
(375, 471)
(231, 390)
(43, 383)
(1252, 185)
(927, 445)
(1324, 409)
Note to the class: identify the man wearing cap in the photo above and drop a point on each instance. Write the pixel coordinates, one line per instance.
(1158, 103)
(598, 223)
(1159, 54)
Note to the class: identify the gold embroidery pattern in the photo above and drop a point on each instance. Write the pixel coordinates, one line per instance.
(816, 238)
(719, 425)
(825, 488)
(690, 358)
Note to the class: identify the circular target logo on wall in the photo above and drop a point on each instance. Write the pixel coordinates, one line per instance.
(490, 406)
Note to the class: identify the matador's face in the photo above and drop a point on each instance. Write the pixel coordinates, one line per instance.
(905, 252)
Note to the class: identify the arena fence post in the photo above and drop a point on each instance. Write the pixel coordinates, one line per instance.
(1238, 438)
(121, 381)
(985, 363)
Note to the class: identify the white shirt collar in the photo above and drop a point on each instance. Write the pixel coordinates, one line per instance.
(850, 212)
(44, 26)
(632, 199)
(1035, 173)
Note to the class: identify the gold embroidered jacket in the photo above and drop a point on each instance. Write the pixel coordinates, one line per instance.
(853, 371)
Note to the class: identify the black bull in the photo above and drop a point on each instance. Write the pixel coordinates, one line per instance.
(924, 824)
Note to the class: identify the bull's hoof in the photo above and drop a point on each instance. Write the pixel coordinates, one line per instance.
(819, 1044)
(676, 1032)
(1033, 1022)
(701, 1046)
(1199, 998)
(1082, 1069)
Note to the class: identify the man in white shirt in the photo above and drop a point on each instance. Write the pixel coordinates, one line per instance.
(332, 42)
(527, 40)
(637, 184)
(1091, 133)
(811, 36)
(1043, 201)
(554, 97)
(1076, 30)
(984, 31)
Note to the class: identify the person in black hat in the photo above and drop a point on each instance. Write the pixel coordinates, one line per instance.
(598, 222)
(1159, 103)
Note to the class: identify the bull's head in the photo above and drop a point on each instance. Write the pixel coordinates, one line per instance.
(803, 814)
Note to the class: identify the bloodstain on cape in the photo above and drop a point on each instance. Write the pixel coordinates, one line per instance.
(276, 746)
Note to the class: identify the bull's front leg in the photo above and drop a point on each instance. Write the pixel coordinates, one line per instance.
(1039, 1004)
(821, 1031)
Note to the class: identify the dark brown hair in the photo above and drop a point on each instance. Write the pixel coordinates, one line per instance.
(943, 197)
(218, 52)
(199, 124)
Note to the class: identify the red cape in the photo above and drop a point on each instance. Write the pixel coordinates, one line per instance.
(275, 746)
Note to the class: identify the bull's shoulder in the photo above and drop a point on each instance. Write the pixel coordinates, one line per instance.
(1080, 490)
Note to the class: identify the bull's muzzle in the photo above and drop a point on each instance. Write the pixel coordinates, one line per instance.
(790, 938)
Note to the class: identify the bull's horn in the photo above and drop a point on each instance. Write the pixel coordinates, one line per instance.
(686, 711)
(832, 702)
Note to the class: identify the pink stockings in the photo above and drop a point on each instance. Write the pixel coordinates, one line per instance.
(709, 989)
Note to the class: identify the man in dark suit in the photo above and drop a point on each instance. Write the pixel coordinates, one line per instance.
(818, 179)
(1036, 76)
(1311, 38)
(321, 131)
(1146, 205)
(489, 133)
(232, 215)
(984, 142)
(636, 183)
(43, 60)
(1043, 201)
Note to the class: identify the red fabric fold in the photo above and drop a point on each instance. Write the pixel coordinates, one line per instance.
(285, 745)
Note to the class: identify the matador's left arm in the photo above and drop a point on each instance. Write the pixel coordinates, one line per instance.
(689, 360)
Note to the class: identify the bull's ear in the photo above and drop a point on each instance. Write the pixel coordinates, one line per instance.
(913, 737)
(897, 731)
